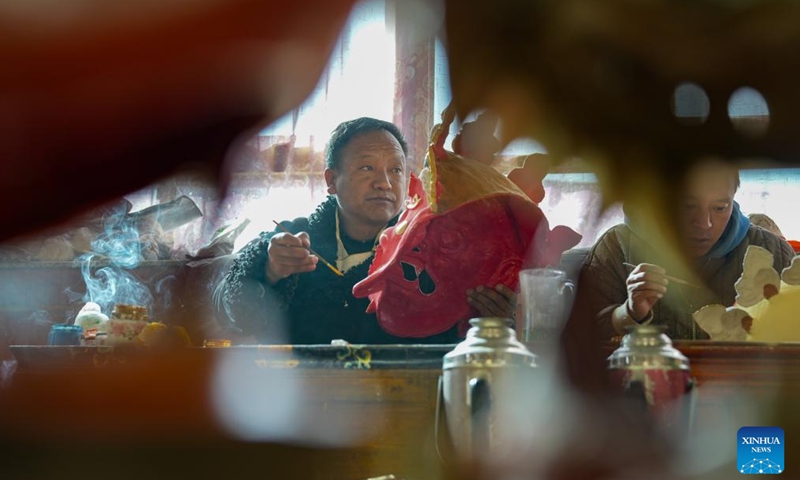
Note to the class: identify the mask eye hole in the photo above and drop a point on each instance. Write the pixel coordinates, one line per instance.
(416, 249)
(409, 272)
(426, 284)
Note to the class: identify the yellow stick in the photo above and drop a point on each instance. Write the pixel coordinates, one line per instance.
(669, 277)
(333, 269)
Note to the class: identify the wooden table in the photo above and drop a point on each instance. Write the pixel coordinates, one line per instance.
(374, 405)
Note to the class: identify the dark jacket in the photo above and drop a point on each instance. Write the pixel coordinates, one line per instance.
(307, 308)
(602, 286)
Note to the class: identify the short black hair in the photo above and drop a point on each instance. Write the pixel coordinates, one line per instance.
(345, 132)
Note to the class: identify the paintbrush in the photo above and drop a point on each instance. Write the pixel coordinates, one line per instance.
(669, 277)
(333, 269)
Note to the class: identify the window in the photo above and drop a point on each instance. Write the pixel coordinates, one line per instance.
(773, 192)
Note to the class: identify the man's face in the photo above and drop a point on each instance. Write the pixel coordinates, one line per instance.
(706, 207)
(372, 178)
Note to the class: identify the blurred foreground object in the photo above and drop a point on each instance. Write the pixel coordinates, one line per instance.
(102, 101)
(477, 400)
(608, 82)
(651, 371)
(197, 410)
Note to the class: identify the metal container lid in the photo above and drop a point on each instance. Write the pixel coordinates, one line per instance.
(647, 347)
(490, 343)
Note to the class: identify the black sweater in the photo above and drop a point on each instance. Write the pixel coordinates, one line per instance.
(307, 308)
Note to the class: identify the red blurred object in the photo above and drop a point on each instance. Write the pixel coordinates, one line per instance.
(101, 102)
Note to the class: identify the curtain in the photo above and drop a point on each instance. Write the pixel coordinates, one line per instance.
(414, 75)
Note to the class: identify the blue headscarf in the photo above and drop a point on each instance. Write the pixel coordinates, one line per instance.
(734, 233)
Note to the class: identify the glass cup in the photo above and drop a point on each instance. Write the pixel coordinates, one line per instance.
(544, 306)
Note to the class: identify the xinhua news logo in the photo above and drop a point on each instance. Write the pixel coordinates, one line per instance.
(760, 450)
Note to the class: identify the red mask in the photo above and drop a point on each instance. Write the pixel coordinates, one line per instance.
(480, 235)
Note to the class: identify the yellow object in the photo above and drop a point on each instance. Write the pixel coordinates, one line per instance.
(153, 333)
(400, 228)
(778, 321)
(157, 334)
(182, 336)
(432, 178)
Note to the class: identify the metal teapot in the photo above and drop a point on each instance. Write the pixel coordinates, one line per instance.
(477, 389)
(649, 370)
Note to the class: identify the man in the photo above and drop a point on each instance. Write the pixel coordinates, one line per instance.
(715, 234)
(278, 289)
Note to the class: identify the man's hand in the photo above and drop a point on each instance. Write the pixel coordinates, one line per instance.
(647, 284)
(499, 301)
(288, 254)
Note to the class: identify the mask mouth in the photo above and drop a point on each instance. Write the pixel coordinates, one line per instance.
(425, 283)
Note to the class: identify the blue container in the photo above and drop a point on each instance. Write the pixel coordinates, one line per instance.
(65, 335)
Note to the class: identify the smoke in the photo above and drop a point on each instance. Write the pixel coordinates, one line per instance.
(7, 369)
(31, 331)
(120, 242)
(72, 295)
(119, 250)
(164, 288)
(40, 317)
(111, 285)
